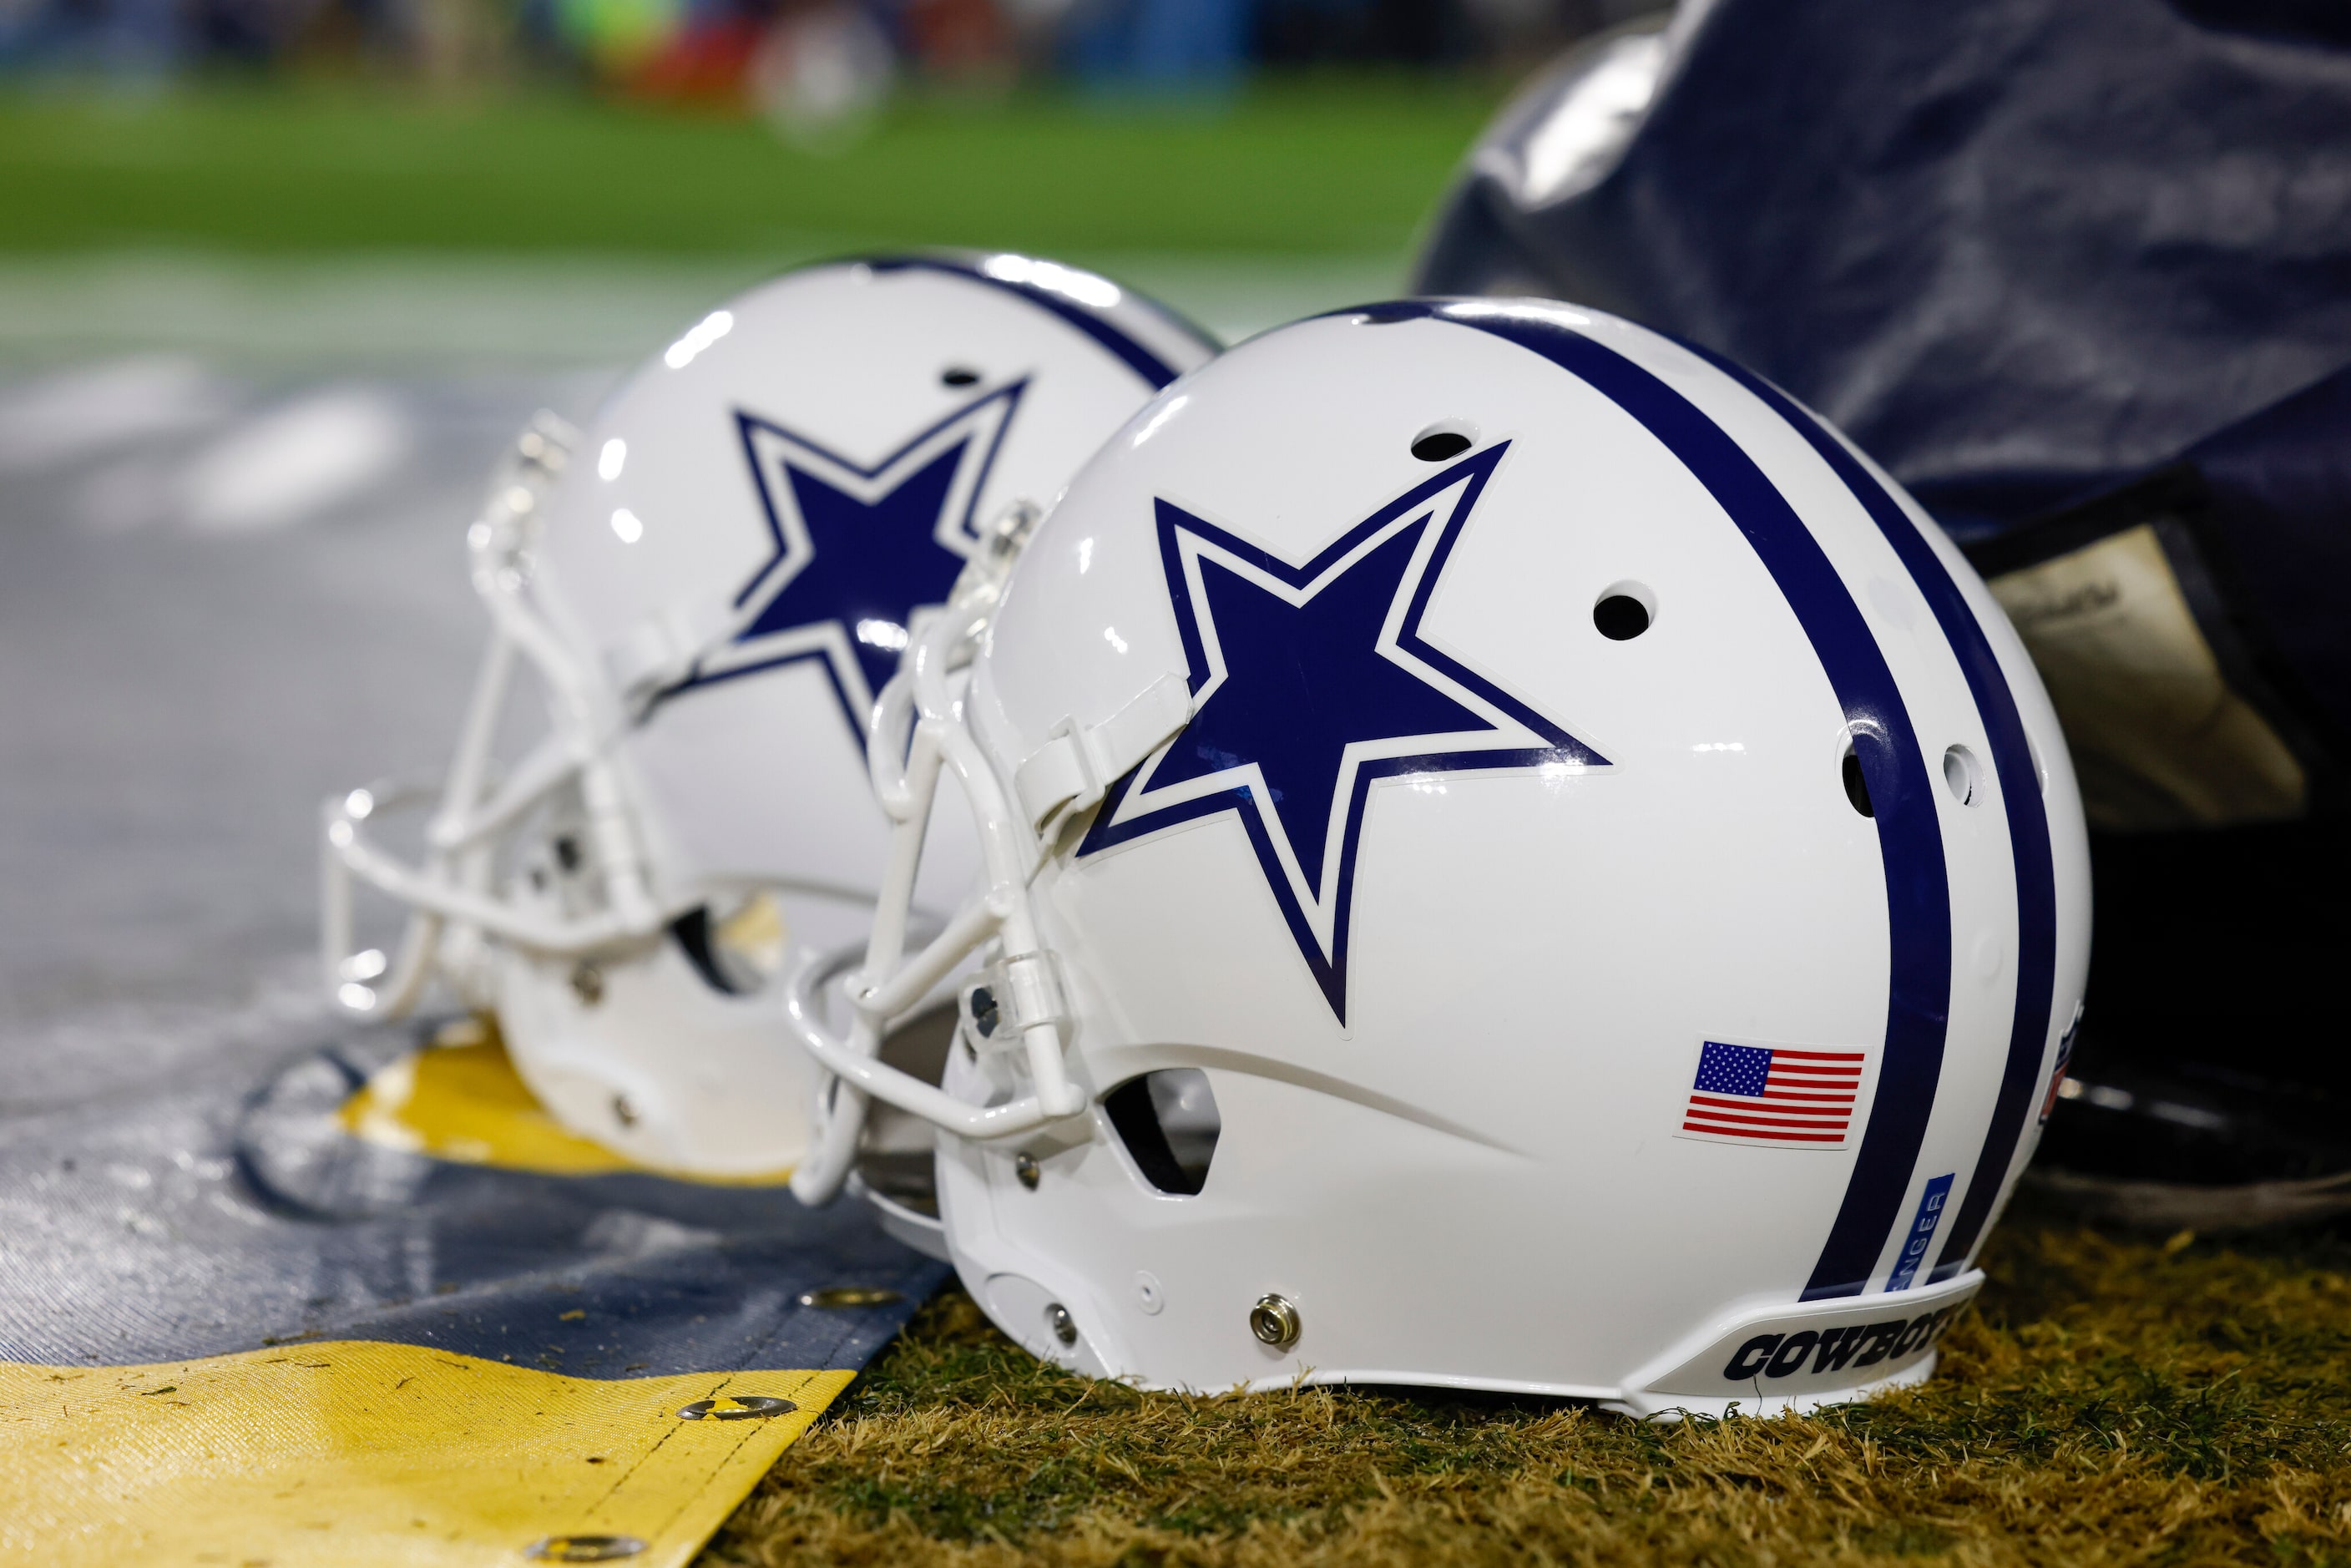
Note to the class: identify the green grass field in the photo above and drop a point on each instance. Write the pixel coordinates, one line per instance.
(2110, 1401)
(1345, 165)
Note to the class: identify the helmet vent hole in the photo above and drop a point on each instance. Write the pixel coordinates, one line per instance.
(1440, 441)
(1620, 618)
(1623, 611)
(1169, 1123)
(1961, 776)
(1857, 786)
(958, 376)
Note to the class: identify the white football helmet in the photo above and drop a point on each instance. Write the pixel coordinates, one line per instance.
(709, 585)
(1516, 859)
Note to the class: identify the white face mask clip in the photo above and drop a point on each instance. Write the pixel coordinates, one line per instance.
(1000, 1005)
(452, 896)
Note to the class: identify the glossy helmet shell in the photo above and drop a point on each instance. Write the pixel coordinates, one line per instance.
(725, 568)
(1665, 741)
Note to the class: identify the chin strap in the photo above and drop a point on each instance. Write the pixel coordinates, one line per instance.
(1078, 763)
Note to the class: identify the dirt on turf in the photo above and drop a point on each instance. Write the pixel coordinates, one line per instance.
(2110, 1400)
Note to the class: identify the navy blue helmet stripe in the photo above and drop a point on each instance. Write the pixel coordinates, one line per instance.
(1139, 357)
(1910, 836)
(2020, 791)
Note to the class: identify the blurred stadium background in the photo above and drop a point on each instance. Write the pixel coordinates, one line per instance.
(278, 279)
(557, 180)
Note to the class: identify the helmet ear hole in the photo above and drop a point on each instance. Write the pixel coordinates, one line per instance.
(1169, 1123)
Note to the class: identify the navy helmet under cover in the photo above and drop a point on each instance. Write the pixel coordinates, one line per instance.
(2069, 271)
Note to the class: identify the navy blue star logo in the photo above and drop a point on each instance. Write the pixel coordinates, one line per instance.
(856, 547)
(1310, 682)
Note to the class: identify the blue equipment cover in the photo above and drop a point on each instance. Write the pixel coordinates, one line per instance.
(2078, 274)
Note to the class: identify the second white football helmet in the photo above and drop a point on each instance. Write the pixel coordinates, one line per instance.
(1515, 860)
(709, 584)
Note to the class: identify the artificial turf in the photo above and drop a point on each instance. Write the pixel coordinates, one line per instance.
(2110, 1400)
(1344, 164)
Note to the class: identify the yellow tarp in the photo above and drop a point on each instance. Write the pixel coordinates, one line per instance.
(345, 1453)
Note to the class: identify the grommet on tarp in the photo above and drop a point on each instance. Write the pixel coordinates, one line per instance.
(584, 1548)
(836, 1296)
(745, 1408)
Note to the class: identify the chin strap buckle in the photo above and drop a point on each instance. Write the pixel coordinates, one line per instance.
(663, 649)
(1078, 763)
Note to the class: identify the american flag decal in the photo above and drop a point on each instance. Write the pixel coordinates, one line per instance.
(1773, 1095)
